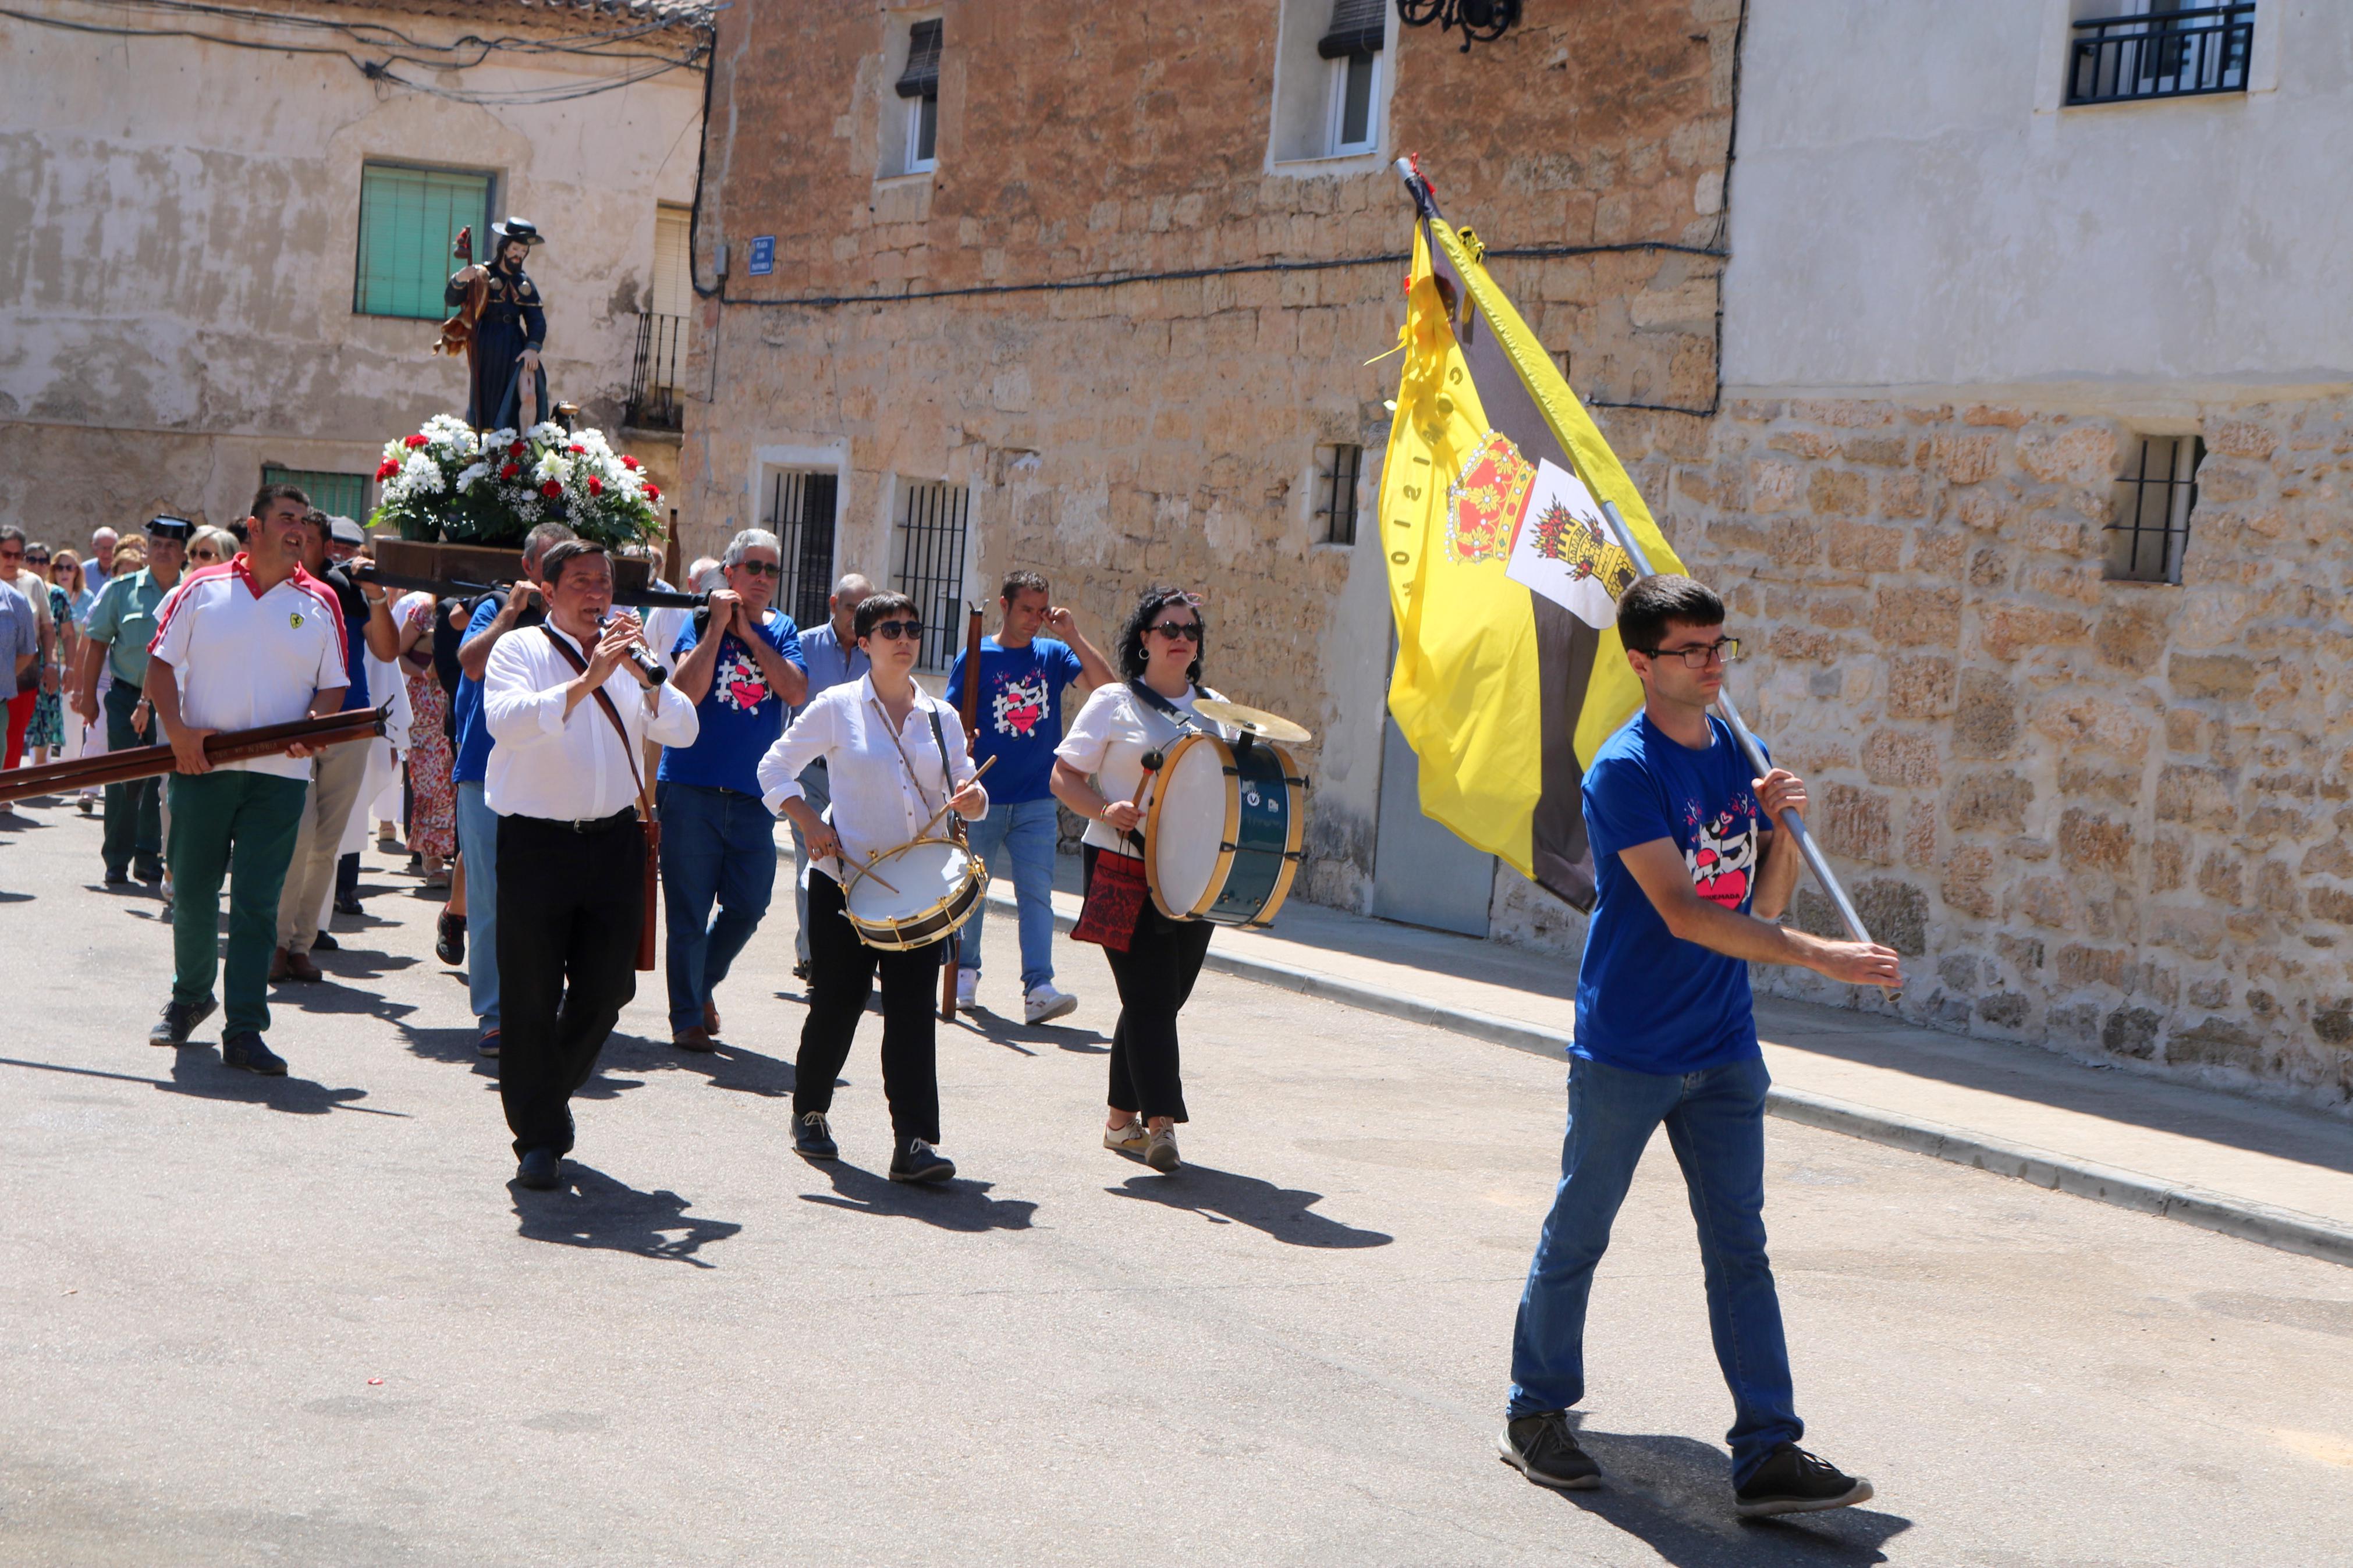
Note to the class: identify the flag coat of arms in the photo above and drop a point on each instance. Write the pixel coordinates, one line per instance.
(1503, 576)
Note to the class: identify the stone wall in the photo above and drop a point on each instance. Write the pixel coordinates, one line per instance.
(2104, 816)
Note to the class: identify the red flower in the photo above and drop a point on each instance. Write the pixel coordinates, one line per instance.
(515, 450)
(550, 490)
(509, 470)
(576, 447)
(653, 492)
(630, 464)
(596, 486)
(415, 442)
(385, 470)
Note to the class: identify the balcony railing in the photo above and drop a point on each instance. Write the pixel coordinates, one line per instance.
(653, 380)
(2172, 54)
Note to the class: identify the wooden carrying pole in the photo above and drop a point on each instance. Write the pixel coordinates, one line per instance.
(225, 746)
(968, 711)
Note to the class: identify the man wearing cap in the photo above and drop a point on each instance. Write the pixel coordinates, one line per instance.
(509, 334)
(115, 635)
(340, 771)
(258, 641)
(344, 539)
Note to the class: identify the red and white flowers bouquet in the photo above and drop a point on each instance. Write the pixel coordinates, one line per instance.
(448, 482)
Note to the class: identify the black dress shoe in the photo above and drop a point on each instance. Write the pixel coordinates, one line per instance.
(449, 938)
(150, 875)
(349, 907)
(325, 941)
(118, 879)
(917, 1160)
(179, 1020)
(243, 1049)
(542, 1170)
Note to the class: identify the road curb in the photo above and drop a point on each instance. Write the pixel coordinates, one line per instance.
(2285, 1230)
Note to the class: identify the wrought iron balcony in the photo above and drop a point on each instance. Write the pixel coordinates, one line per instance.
(654, 379)
(2169, 54)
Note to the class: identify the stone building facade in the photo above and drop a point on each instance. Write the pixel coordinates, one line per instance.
(182, 262)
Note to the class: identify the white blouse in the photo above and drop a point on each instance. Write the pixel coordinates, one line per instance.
(880, 801)
(1109, 739)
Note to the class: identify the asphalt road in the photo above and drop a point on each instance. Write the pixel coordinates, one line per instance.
(310, 1320)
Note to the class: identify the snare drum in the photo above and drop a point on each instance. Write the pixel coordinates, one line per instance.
(914, 895)
(1221, 838)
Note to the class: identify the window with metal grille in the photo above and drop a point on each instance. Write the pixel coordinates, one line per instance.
(928, 565)
(2150, 528)
(408, 220)
(2170, 50)
(337, 495)
(919, 84)
(801, 516)
(1337, 469)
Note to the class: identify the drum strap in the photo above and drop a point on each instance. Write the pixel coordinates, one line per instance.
(647, 827)
(1153, 700)
(939, 739)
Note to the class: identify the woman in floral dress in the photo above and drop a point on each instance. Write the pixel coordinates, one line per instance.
(432, 798)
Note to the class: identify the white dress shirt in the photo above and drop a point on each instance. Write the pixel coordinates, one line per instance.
(1109, 739)
(568, 767)
(880, 802)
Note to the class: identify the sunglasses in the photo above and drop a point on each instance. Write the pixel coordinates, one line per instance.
(37, 560)
(1187, 631)
(760, 568)
(204, 553)
(892, 631)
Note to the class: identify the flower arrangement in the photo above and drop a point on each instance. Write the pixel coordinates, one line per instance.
(450, 481)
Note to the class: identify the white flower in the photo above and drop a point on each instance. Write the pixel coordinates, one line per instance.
(422, 473)
(469, 476)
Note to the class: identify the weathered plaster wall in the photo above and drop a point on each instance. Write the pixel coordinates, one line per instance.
(178, 226)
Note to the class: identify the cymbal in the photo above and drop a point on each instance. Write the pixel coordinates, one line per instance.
(1252, 721)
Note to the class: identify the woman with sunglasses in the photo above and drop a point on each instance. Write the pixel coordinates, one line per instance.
(211, 547)
(892, 754)
(1099, 772)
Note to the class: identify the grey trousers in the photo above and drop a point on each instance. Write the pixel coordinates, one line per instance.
(814, 784)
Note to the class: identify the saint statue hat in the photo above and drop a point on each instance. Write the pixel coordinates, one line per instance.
(521, 229)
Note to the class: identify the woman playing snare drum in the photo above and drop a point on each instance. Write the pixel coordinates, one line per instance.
(890, 753)
(1160, 655)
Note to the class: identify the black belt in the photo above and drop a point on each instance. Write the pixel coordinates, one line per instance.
(582, 825)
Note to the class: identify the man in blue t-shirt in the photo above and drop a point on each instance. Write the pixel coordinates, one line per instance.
(1689, 875)
(740, 663)
(1020, 712)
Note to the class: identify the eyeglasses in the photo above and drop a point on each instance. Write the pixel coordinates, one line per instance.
(37, 560)
(1701, 657)
(204, 553)
(1188, 631)
(760, 568)
(892, 631)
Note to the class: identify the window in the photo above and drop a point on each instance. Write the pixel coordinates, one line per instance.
(408, 220)
(1329, 82)
(653, 402)
(919, 85)
(2160, 48)
(337, 495)
(1351, 44)
(2151, 530)
(801, 512)
(929, 564)
(1337, 470)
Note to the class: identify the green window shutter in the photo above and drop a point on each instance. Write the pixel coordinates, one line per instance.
(337, 495)
(408, 220)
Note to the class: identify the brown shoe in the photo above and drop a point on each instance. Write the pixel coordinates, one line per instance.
(711, 1019)
(277, 966)
(697, 1038)
(299, 967)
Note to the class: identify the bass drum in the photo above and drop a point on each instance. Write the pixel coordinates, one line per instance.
(914, 895)
(1221, 837)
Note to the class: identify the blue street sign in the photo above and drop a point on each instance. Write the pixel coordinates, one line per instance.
(763, 255)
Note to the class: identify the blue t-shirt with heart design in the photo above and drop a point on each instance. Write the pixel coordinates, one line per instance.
(1020, 713)
(741, 715)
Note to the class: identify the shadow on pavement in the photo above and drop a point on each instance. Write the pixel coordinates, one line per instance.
(594, 1210)
(1221, 1197)
(955, 1206)
(456, 1047)
(1016, 1037)
(1674, 1495)
(725, 1065)
(197, 1071)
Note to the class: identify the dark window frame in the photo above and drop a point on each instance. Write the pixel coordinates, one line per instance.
(434, 309)
(2189, 52)
(805, 514)
(1339, 473)
(930, 542)
(2148, 536)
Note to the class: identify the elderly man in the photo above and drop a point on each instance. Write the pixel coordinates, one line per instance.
(830, 655)
(257, 642)
(741, 666)
(120, 624)
(99, 570)
(340, 771)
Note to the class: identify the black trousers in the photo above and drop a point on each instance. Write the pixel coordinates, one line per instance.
(841, 973)
(570, 906)
(1156, 977)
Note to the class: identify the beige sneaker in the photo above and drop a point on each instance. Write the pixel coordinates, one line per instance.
(1128, 1140)
(1160, 1150)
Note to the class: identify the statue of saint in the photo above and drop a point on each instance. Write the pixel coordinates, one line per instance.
(506, 388)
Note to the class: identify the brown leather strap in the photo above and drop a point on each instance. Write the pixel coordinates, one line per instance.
(629, 747)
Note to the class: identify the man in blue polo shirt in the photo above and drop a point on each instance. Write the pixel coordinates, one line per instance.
(1690, 877)
(478, 825)
(740, 664)
(1022, 676)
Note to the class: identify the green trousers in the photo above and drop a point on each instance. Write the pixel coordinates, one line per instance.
(134, 827)
(256, 816)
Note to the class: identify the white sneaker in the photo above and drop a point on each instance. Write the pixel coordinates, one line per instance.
(1044, 1003)
(967, 982)
(1130, 1138)
(1160, 1150)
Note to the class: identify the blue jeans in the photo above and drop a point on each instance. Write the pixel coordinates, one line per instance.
(1715, 1125)
(1019, 838)
(477, 841)
(716, 843)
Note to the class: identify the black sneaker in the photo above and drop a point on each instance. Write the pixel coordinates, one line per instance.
(179, 1021)
(1543, 1449)
(812, 1139)
(917, 1160)
(1794, 1481)
(449, 938)
(243, 1049)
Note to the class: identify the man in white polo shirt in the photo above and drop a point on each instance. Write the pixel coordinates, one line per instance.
(258, 641)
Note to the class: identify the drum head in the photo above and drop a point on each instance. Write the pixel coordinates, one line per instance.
(1192, 821)
(921, 875)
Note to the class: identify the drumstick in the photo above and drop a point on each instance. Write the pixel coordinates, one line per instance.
(868, 870)
(944, 804)
(1150, 762)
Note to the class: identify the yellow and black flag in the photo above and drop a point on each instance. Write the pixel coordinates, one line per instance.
(1502, 573)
